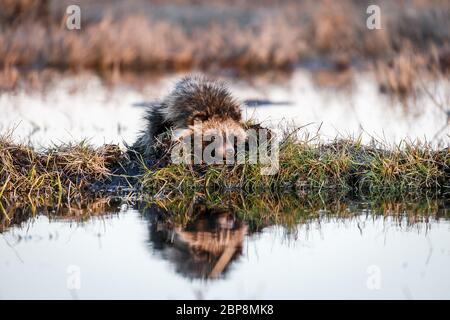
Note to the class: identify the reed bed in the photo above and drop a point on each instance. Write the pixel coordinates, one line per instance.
(250, 36)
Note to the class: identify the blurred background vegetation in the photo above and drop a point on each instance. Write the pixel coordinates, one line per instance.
(218, 34)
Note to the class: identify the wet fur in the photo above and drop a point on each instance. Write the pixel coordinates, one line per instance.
(193, 99)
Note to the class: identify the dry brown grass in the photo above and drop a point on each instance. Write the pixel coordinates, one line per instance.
(70, 172)
(13, 12)
(252, 35)
(60, 174)
(399, 75)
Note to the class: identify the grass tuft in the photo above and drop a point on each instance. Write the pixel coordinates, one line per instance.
(308, 164)
(69, 172)
(63, 172)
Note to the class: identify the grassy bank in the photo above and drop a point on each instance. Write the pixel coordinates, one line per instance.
(59, 174)
(68, 173)
(305, 163)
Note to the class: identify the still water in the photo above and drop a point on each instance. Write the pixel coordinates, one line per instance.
(84, 107)
(132, 252)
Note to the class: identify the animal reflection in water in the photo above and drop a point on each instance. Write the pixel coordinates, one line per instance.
(205, 247)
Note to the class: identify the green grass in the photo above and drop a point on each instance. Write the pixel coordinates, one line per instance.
(308, 164)
(66, 173)
(61, 174)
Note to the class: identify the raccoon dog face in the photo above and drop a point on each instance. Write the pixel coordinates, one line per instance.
(219, 136)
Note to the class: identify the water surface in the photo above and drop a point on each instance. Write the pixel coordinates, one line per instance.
(82, 106)
(133, 252)
(397, 250)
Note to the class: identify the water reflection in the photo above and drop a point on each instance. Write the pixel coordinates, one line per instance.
(229, 245)
(205, 247)
(19, 213)
(79, 107)
(203, 236)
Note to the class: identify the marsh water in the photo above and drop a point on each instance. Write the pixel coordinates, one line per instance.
(86, 106)
(350, 250)
(286, 247)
